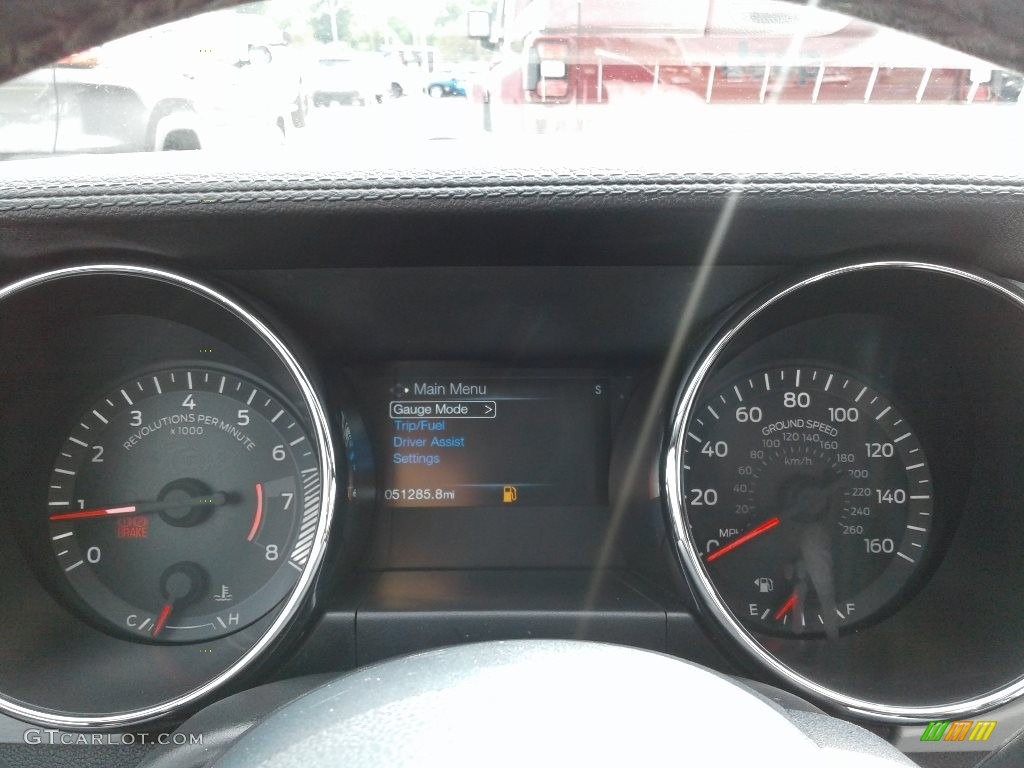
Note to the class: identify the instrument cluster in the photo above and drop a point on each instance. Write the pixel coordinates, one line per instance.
(832, 466)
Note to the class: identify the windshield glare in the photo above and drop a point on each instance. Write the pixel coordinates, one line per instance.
(318, 75)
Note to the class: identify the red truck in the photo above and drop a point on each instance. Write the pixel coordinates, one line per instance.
(559, 63)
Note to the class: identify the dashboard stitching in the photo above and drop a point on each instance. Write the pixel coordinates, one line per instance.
(86, 198)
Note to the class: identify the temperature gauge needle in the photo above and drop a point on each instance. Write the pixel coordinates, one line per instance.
(739, 542)
(162, 619)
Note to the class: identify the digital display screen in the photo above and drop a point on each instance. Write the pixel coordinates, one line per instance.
(479, 438)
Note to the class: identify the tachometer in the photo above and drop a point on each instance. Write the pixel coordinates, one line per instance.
(183, 505)
(809, 498)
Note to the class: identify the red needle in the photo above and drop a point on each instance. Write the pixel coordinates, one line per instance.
(93, 513)
(762, 528)
(162, 619)
(786, 607)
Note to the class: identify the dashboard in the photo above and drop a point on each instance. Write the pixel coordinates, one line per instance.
(230, 462)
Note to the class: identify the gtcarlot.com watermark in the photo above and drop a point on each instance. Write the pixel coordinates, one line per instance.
(53, 737)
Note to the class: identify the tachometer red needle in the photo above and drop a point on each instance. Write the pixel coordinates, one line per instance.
(93, 513)
(162, 619)
(786, 608)
(762, 528)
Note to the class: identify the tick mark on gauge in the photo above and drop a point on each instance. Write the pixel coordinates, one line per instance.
(126, 398)
(879, 416)
(902, 437)
(156, 383)
(905, 557)
(737, 391)
(73, 566)
(63, 535)
(277, 416)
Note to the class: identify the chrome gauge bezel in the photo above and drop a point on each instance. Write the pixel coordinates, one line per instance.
(296, 599)
(709, 599)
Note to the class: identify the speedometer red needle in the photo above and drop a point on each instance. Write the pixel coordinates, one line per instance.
(162, 619)
(764, 527)
(94, 513)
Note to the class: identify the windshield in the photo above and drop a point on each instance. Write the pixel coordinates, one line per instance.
(310, 74)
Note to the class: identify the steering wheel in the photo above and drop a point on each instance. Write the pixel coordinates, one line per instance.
(530, 702)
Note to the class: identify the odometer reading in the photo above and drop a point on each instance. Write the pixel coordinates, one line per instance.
(183, 504)
(809, 498)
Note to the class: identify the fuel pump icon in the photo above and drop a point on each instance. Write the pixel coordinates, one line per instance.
(764, 584)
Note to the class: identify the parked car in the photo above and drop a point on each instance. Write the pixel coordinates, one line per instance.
(159, 90)
(444, 86)
(348, 77)
(563, 68)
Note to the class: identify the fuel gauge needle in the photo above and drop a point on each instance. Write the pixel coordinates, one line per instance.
(162, 619)
(739, 542)
(786, 607)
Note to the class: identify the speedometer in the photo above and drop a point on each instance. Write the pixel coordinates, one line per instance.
(809, 498)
